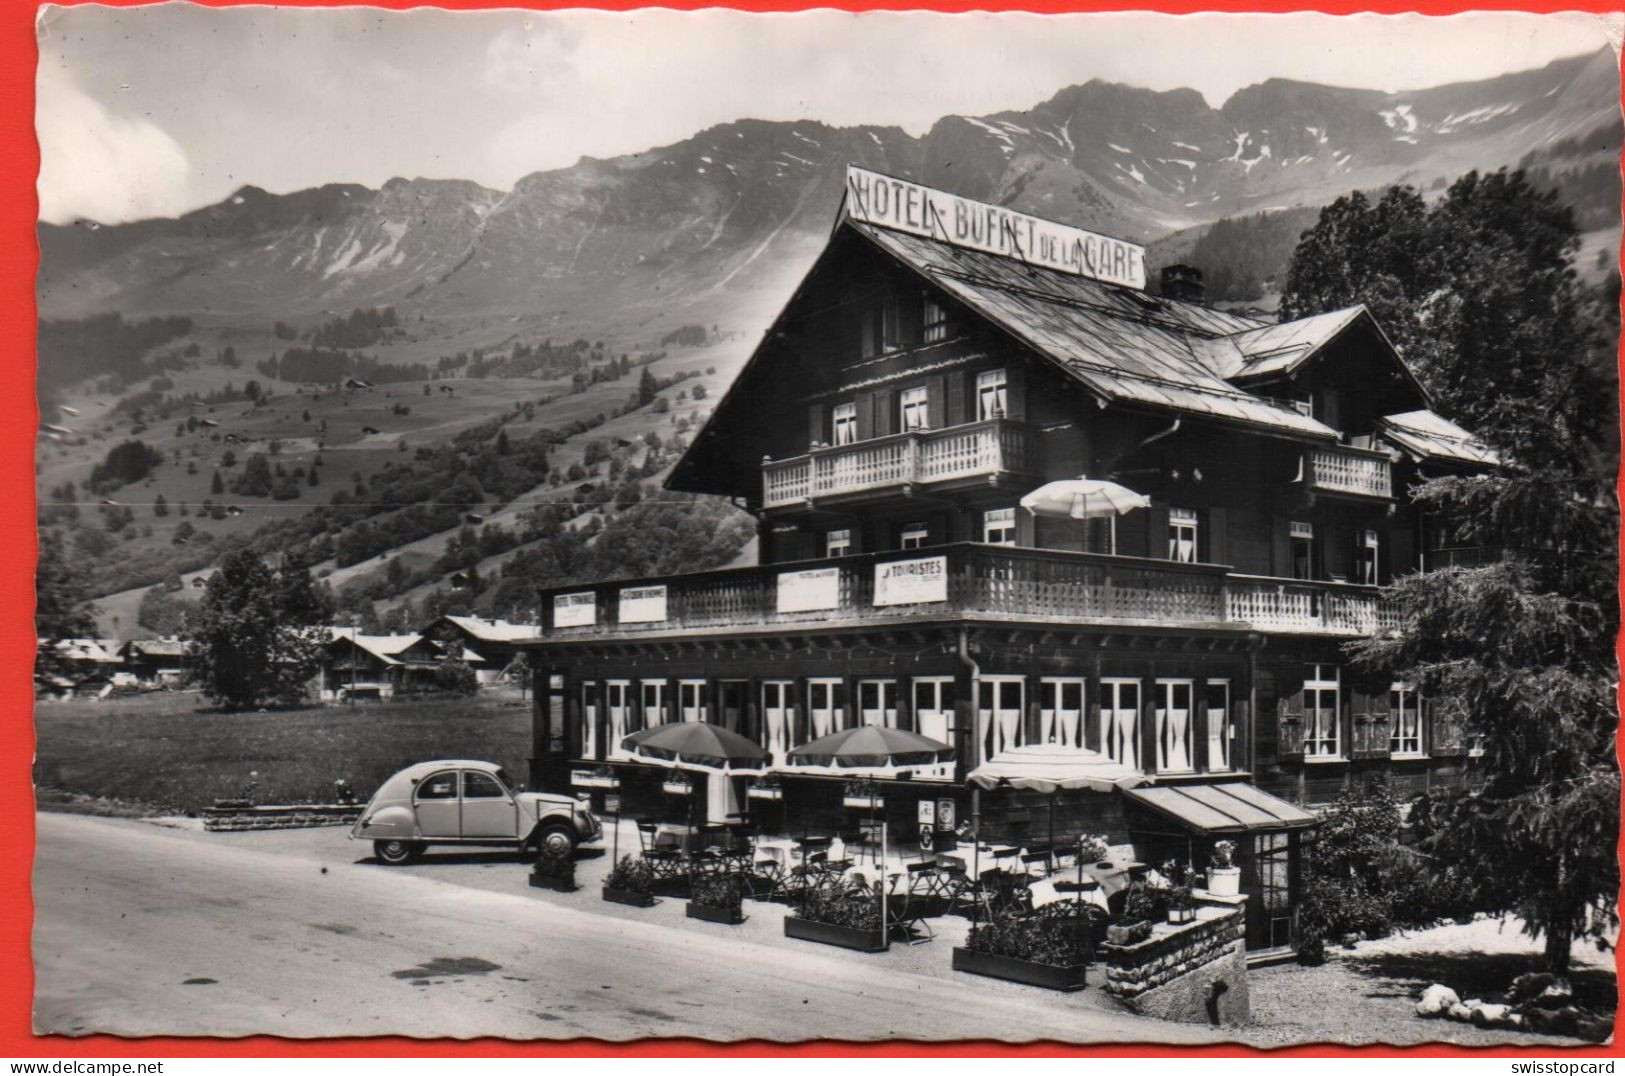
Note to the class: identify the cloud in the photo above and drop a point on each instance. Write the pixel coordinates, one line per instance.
(532, 56)
(100, 166)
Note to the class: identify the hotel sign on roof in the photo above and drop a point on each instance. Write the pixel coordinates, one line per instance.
(909, 207)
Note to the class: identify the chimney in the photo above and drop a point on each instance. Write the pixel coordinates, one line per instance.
(1183, 283)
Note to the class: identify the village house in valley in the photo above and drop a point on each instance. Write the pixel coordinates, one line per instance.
(928, 374)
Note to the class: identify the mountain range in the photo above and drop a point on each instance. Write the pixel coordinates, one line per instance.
(717, 226)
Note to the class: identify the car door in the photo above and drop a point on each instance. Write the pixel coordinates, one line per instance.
(488, 808)
(438, 806)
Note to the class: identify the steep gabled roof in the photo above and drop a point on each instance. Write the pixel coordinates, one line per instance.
(1428, 436)
(1283, 347)
(385, 648)
(1126, 346)
(494, 631)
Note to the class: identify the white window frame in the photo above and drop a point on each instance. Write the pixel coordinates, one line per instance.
(999, 526)
(1300, 532)
(1182, 535)
(1318, 745)
(934, 319)
(1368, 564)
(1174, 738)
(589, 721)
(914, 536)
(834, 720)
(838, 542)
(1220, 737)
(701, 706)
(1119, 727)
(1403, 741)
(881, 715)
(618, 719)
(1057, 723)
(992, 395)
(844, 424)
(914, 409)
(658, 709)
(999, 731)
(936, 720)
(779, 735)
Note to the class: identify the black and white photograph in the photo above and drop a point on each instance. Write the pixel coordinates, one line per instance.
(712, 525)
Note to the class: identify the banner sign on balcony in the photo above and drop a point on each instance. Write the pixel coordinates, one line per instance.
(912, 582)
(816, 588)
(643, 605)
(578, 610)
(909, 207)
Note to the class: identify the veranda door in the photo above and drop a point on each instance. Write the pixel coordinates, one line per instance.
(1001, 700)
(1060, 711)
(1271, 910)
(618, 710)
(877, 703)
(824, 707)
(934, 708)
(778, 718)
(1120, 721)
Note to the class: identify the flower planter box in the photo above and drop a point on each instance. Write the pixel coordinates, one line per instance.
(676, 788)
(864, 803)
(864, 941)
(629, 897)
(1015, 970)
(765, 793)
(1128, 933)
(727, 916)
(557, 885)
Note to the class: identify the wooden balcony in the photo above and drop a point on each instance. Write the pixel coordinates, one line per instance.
(918, 458)
(963, 581)
(1357, 471)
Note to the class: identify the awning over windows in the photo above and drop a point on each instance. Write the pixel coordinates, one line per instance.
(1232, 807)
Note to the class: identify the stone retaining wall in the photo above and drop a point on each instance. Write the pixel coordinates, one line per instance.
(1193, 972)
(296, 816)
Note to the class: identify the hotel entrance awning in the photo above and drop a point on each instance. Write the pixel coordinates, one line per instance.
(1232, 807)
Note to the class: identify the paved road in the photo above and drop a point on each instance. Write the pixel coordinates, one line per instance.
(145, 930)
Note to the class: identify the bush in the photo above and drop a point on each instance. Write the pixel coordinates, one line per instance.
(552, 863)
(1057, 934)
(456, 677)
(717, 891)
(631, 876)
(841, 906)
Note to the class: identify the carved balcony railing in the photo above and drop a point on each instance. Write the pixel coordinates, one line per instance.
(1307, 606)
(1351, 470)
(919, 457)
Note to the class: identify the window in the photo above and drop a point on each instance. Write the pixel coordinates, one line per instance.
(589, 719)
(992, 395)
(934, 319)
(880, 329)
(481, 786)
(824, 703)
(1120, 721)
(1366, 559)
(691, 700)
(999, 526)
(916, 411)
(934, 707)
(838, 543)
(654, 702)
(1060, 711)
(1175, 743)
(1001, 705)
(617, 706)
(1321, 733)
(914, 536)
(1404, 720)
(877, 702)
(778, 717)
(1302, 538)
(442, 786)
(1216, 704)
(1182, 535)
(846, 423)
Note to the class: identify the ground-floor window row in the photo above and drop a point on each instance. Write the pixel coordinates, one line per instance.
(1325, 718)
(1163, 725)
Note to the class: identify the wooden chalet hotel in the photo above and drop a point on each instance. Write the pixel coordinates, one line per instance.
(942, 360)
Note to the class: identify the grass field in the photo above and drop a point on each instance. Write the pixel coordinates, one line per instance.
(170, 753)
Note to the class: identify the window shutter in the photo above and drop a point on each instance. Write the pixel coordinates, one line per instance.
(1381, 718)
(1368, 740)
(1289, 713)
(1240, 737)
(1211, 537)
(954, 397)
(1449, 731)
(1015, 391)
(866, 416)
(885, 412)
(1157, 523)
(936, 404)
(816, 430)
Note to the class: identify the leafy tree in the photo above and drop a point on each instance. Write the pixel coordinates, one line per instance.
(1480, 293)
(61, 606)
(128, 462)
(255, 638)
(160, 506)
(255, 481)
(456, 677)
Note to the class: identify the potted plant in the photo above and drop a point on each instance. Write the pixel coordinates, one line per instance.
(716, 898)
(1224, 879)
(632, 882)
(555, 870)
(863, 794)
(766, 788)
(678, 784)
(1179, 905)
(842, 915)
(1094, 849)
(1048, 947)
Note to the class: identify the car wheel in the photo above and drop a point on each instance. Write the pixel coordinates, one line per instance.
(395, 853)
(556, 839)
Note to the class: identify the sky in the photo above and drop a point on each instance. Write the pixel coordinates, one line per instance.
(152, 111)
